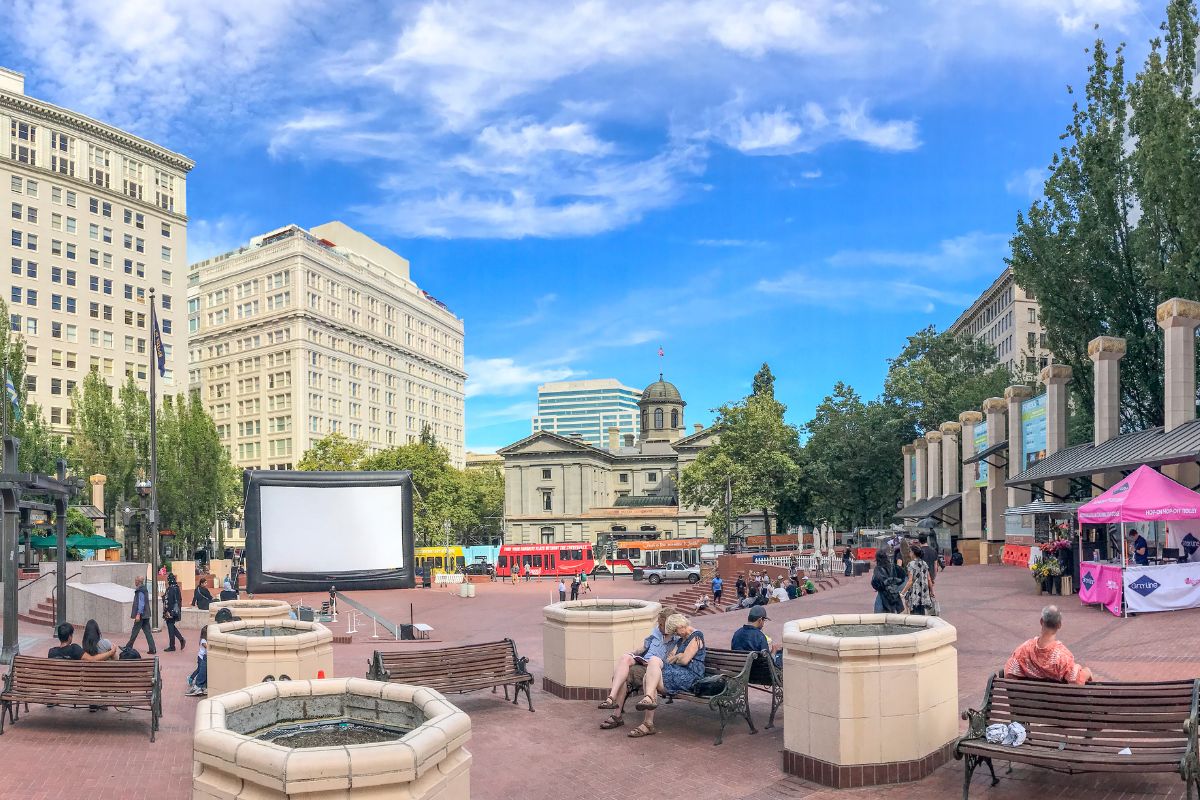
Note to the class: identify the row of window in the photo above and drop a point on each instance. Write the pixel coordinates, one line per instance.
(29, 241)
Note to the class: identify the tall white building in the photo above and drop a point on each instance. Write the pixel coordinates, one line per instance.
(587, 409)
(1008, 319)
(304, 333)
(97, 219)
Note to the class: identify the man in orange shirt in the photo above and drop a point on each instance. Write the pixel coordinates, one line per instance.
(1044, 658)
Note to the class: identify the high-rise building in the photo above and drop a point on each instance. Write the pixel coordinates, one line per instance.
(305, 333)
(587, 409)
(1008, 318)
(97, 220)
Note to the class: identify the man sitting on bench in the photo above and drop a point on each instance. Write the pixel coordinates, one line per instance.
(1044, 658)
(65, 650)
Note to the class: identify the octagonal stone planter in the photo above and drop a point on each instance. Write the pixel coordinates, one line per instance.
(418, 752)
(254, 610)
(869, 698)
(582, 640)
(246, 652)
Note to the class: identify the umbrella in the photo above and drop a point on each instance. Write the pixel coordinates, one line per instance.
(928, 522)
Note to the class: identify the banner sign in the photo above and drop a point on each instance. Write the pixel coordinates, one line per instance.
(981, 445)
(1033, 430)
(1100, 584)
(1168, 587)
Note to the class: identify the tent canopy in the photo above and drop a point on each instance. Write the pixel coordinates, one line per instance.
(1145, 496)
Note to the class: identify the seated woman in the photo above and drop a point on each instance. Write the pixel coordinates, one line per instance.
(631, 668)
(684, 666)
(95, 647)
(198, 680)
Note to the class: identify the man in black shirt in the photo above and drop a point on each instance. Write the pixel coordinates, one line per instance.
(65, 648)
(929, 553)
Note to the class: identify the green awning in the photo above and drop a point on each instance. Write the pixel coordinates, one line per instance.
(92, 542)
(43, 541)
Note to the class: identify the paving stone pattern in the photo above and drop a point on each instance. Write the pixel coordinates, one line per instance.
(560, 752)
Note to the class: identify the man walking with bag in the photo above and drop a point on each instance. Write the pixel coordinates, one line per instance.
(141, 615)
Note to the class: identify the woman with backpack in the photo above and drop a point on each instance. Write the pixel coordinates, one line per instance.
(202, 597)
(173, 612)
(886, 580)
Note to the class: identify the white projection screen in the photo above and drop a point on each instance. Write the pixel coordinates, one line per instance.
(308, 531)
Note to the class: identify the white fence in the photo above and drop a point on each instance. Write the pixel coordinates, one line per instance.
(448, 578)
(819, 565)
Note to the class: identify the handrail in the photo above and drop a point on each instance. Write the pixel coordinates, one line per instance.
(390, 627)
(38, 578)
(54, 591)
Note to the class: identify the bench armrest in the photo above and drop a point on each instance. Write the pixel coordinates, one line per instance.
(519, 662)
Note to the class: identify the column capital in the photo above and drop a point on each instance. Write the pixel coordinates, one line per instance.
(98, 480)
(995, 405)
(1106, 348)
(970, 418)
(908, 449)
(1017, 393)
(933, 437)
(919, 443)
(1178, 313)
(950, 428)
(1055, 373)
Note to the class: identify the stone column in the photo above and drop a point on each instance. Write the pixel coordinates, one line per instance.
(1056, 377)
(908, 453)
(950, 464)
(98, 482)
(972, 501)
(993, 409)
(934, 484)
(1015, 396)
(1178, 318)
(1106, 353)
(922, 470)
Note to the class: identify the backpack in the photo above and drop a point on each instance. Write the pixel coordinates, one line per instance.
(129, 654)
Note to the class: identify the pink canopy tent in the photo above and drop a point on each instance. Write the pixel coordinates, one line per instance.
(1145, 496)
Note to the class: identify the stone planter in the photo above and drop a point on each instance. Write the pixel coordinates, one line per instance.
(582, 640)
(870, 698)
(252, 610)
(372, 740)
(244, 653)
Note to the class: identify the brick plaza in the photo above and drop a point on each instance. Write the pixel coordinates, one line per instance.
(559, 751)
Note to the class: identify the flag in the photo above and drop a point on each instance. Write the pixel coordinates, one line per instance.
(12, 396)
(660, 352)
(156, 341)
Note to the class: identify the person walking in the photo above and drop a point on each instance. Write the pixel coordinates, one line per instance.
(201, 596)
(574, 587)
(583, 582)
(717, 587)
(562, 590)
(849, 562)
(141, 615)
(886, 581)
(917, 591)
(173, 612)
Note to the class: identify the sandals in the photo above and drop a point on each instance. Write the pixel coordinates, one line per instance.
(612, 722)
(645, 729)
(643, 705)
(609, 703)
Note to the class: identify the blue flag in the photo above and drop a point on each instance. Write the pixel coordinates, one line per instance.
(12, 396)
(160, 355)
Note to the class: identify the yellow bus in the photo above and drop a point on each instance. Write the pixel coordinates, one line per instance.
(439, 559)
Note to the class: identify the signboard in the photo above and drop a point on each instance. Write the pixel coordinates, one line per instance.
(1162, 588)
(981, 445)
(1033, 430)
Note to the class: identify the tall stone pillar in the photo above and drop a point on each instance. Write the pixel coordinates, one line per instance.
(909, 453)
(972, 501)
(993, 409)
(1106, 353)
(922, 470)
(950, 464)
(98, 482)
(1056, 377)
(1015, 396)
(934, 484)
(1178, 318)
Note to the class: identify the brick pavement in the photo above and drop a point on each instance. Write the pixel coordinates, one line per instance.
(560, 752)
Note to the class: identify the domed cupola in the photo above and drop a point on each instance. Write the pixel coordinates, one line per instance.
(662, 412)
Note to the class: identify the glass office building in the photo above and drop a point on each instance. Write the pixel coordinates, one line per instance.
(588, 409)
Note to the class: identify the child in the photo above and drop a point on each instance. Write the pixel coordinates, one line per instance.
(198, 680)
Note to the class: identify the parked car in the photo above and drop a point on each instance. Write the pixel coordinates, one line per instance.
(479, 568)
(672, 571)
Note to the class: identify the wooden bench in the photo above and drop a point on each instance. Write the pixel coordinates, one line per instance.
(1077, 729)
(733, 700)
(457, 670)
(51, 681)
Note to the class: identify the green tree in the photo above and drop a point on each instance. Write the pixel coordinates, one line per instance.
(764, 382)
(78, 524)
(40, 447)
(334, 453)
(108, 438)
(484, 493)
(937, 376)
(439, 489)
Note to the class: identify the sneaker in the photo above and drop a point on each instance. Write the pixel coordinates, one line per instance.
(203, 692)
(169, 650)
(192, 691)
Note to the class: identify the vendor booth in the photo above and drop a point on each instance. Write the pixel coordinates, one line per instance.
(1167, 515)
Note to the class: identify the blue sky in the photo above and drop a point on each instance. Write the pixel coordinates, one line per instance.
(736, 181)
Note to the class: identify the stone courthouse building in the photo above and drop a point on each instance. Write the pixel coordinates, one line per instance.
(562, 489)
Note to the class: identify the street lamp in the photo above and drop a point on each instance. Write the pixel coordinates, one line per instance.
(145, 491)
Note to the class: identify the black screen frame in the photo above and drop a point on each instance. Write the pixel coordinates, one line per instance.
(258, 581)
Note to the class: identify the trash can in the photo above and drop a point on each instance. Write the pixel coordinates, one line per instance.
(406, 632)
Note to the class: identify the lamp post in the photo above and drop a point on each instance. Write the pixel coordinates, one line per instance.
(145, 490)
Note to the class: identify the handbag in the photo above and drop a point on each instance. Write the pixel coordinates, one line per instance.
(937, 608)
(709, 686)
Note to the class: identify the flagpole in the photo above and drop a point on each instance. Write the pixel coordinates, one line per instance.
(155, 343)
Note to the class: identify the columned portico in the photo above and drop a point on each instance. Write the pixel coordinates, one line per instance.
(1178, 318)
(1106, 353)
(972, 500)
(994, 409)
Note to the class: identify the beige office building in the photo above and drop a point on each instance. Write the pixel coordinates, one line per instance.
(304, 333)
(1007, 318)
(97, 220)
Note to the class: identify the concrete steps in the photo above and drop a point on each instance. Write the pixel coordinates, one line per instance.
(42, 614)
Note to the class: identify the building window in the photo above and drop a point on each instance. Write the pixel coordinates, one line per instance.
(651, 477)
(99, 162)
(1033, 315)
(132, 183)
(61, 158)
(674, 417)
(658, 418)
(547, 535)
(547, 500)
(24, 142)
(545, 474)
(623, 477)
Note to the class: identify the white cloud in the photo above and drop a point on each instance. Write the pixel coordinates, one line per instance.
(1027, 183)
(783, 132)
(524, 410)
(504, 376)
(965, 255)
(211, 237)
(532, 139)
(847, 294)
(731, 243)
(810, 174)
